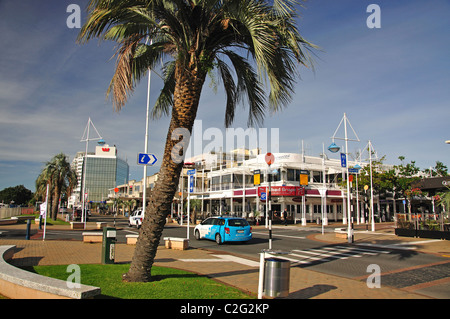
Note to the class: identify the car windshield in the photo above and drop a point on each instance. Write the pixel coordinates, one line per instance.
(237, 222)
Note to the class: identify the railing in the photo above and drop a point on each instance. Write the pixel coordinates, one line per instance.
(423, 225)
(6, 212)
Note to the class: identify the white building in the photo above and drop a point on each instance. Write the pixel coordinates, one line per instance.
(225, 184)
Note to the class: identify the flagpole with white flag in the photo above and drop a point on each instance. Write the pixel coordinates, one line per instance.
(46, 211)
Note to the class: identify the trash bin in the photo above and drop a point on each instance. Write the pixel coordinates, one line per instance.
(108, 245)
(276, 277)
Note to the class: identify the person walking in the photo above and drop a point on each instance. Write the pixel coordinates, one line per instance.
(285, 213)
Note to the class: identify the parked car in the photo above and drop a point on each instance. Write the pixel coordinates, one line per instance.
(224, 229)
(136, 218)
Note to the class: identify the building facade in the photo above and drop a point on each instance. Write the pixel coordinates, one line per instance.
(307, 187)
(104, 171)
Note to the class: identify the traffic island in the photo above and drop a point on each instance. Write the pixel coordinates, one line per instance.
(131, 239)
(92, 237)
(76, 225)
(176, 243)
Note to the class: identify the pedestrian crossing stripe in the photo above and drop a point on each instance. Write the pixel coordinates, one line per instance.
(322, 254)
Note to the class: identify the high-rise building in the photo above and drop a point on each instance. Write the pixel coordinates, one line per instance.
(104, 171)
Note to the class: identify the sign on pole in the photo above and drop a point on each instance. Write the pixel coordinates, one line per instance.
(146, 159)
(304, 177)
(343, 160)
(256, 177)
(191, 183)
(270, 159)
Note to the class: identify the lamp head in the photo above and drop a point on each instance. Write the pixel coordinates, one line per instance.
(333, 148)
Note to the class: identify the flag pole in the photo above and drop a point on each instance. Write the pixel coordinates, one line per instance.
(46, 211)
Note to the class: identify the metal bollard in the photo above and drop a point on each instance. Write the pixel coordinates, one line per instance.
(27, 236)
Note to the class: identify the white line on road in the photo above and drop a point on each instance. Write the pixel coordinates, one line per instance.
(225, 258)
(278, 235)
(239, 260)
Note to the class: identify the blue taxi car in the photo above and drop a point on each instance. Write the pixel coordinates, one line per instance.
(224, 229)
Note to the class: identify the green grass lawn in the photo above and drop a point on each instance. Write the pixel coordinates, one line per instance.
(168, 283)
(49, 220)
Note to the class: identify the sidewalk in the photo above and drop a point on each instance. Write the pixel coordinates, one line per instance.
(304, 283)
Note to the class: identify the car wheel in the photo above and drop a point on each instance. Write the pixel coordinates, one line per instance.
(197, 235)
(218, 239)
(138, 225)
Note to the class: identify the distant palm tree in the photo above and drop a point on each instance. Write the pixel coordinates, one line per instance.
(61, 179)
(246, 41)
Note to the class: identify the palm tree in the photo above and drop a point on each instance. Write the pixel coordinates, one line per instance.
(247, 42)
(61, 178)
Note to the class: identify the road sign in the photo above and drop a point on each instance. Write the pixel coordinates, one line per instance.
(191, 172)
(146, 159)
(353, 170)
(263, 196)
(256, 177)
(191, 183)
(270, 158)
(343, 160)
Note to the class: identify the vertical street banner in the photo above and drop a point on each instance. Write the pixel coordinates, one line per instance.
(256, 177)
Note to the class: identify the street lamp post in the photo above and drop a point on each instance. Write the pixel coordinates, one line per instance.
(334, 148)
(86, 138)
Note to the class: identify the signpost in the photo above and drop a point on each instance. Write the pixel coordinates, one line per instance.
(270, 159)
(256, 177)
(191, 173)
(146, 159)
(343, 160)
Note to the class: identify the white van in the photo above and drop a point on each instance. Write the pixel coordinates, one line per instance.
(136, 218)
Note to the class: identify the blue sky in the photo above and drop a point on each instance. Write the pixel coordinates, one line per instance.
(392, 82)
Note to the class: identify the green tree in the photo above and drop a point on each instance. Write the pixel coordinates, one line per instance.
(19, 195)
(249, 43)
(61, 179)
(439, 170)
(406, 175)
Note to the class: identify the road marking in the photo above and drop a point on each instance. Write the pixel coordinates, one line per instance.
(131, 231)
(324, 254)
(365, 251)
(202, 260)
(278, 235)
(238, 260)
(225, 258)
(386, 246)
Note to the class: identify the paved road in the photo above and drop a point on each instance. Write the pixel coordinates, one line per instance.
(400, 268)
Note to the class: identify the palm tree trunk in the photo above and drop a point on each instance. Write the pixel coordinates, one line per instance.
(186, 99)
(57, 195)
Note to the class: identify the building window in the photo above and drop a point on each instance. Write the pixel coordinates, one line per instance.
(291, 176)
(276, 175)
(317, 177)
